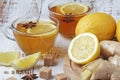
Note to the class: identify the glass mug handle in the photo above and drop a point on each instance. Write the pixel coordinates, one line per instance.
(9, 33)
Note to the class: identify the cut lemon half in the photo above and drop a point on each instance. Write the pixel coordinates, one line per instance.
(43, 28)
(73, 8)
(84, 48)
(26, 62)
(6, 58)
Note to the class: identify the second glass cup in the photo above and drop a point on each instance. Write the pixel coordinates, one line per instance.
(69, 13)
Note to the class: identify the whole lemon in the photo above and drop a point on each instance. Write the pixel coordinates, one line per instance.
(118, 31)
(101, 24)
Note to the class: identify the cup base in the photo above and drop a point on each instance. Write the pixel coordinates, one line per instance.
(69, 36)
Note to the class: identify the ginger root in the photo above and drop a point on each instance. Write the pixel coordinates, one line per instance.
(109, 48)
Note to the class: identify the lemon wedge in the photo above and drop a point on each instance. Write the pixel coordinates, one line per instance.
(73, 8)
(84, 48)
(6, 58)
(26, 62)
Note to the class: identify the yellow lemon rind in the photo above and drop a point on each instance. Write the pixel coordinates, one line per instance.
(118, 31)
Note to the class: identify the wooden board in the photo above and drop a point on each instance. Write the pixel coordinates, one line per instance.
(71, 69)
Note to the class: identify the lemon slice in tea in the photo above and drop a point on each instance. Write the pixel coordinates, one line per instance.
(84, 48)
(6, 58)
(73, 8)
(43, 28)
(26, 62)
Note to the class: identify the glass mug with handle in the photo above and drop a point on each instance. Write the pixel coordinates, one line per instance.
(69, 12)
(12, 9)
(34, 36)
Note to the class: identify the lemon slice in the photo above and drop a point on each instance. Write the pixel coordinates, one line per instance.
(73, 8)
(43, 28)
(84, 48)
(26, 62)
(6, 58)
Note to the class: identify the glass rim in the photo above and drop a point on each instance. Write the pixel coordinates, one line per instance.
(74, 15)
(33, 34)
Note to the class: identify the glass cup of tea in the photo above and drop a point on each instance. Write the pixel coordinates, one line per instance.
(34, 36)
(69, 12)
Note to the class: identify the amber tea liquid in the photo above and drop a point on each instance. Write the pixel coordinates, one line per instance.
(67, 22)
(34, 43)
